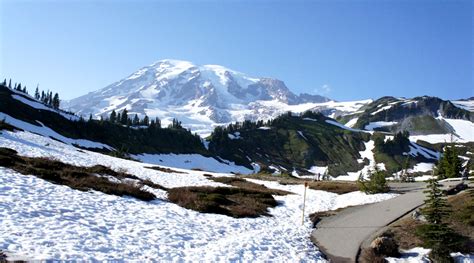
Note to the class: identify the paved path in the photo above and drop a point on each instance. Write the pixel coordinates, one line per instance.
(339, 236)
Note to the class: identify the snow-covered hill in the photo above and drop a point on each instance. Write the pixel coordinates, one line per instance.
(426, 118)
(202, 96)
(45, 221)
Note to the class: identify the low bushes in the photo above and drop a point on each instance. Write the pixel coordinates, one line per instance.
(76, 177)
(242, 183)
(235, 202)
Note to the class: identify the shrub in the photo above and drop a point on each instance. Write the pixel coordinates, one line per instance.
(376, 183)
(76, 177)
(234, 202)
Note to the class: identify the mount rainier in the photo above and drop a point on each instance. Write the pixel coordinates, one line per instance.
(201, 96)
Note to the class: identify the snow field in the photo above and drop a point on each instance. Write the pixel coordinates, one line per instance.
(40, 220)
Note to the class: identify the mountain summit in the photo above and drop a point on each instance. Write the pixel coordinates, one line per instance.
(199, 95)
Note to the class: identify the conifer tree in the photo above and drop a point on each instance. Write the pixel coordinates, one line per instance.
(158, 123)
(437, 235)
(43, 97)
(4, 82)
(449, 165)
(55, 101)
(113, 116)
(10, 84)
(37, 94)
(376, 183)
(18, 87)
(90, 117)
(136, 120)
(124, 117)
(146, 120)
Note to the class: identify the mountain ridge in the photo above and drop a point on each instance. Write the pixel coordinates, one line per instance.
(205, 94)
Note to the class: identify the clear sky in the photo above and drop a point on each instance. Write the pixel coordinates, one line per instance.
(345, 50)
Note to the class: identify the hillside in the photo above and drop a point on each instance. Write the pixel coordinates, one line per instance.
(311, 144)
(429, 118)
(24, 112)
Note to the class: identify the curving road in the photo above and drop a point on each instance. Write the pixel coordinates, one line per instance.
(340, 236)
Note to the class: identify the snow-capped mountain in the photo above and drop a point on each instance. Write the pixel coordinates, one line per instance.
(201, 96)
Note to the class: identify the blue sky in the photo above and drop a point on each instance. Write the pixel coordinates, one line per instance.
(345, 50)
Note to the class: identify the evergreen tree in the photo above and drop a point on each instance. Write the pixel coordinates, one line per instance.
(146, 120)
(55, 101)
(436, 206)
(449, 165)
(10, 84)
(437, 235)
(175, 124)
(90, 117)
(4, 82)
(119, 118)
(136, 120)
(113, 116)
(124, 117)
(24, 90)
(50, 98)
(158, 123)
(18, 87)
(37, 94)
(376, 183)
(43, 97)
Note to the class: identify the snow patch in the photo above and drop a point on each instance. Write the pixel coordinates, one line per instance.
(378, 124)
(193, 161)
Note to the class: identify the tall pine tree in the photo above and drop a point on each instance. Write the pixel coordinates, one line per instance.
(124, 117)
(113, 116)
(450, 165)
(436, 234)
(37, 94)
(55, 101)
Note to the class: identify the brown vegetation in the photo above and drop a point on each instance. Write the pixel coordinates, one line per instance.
(165, 170)
(235, 202)
(242, 183)
(338, 187)
(334, 186)
(76, 177)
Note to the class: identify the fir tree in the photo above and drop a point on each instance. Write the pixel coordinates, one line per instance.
(90, 117)
(113, 116)
(437, 235)
(119, 118)
(376, 183)
(37, 94)
(136, 120)
(436, 206)
(146, 120)
(449, 165)
(158, 123)
(124, 117)
(43, 97)
(4, 82)
(55, 101)
(50, 98)
(18, 87)
(10, 84)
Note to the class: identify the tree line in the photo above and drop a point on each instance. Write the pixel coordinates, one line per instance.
(46, 98)
(123, 118)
